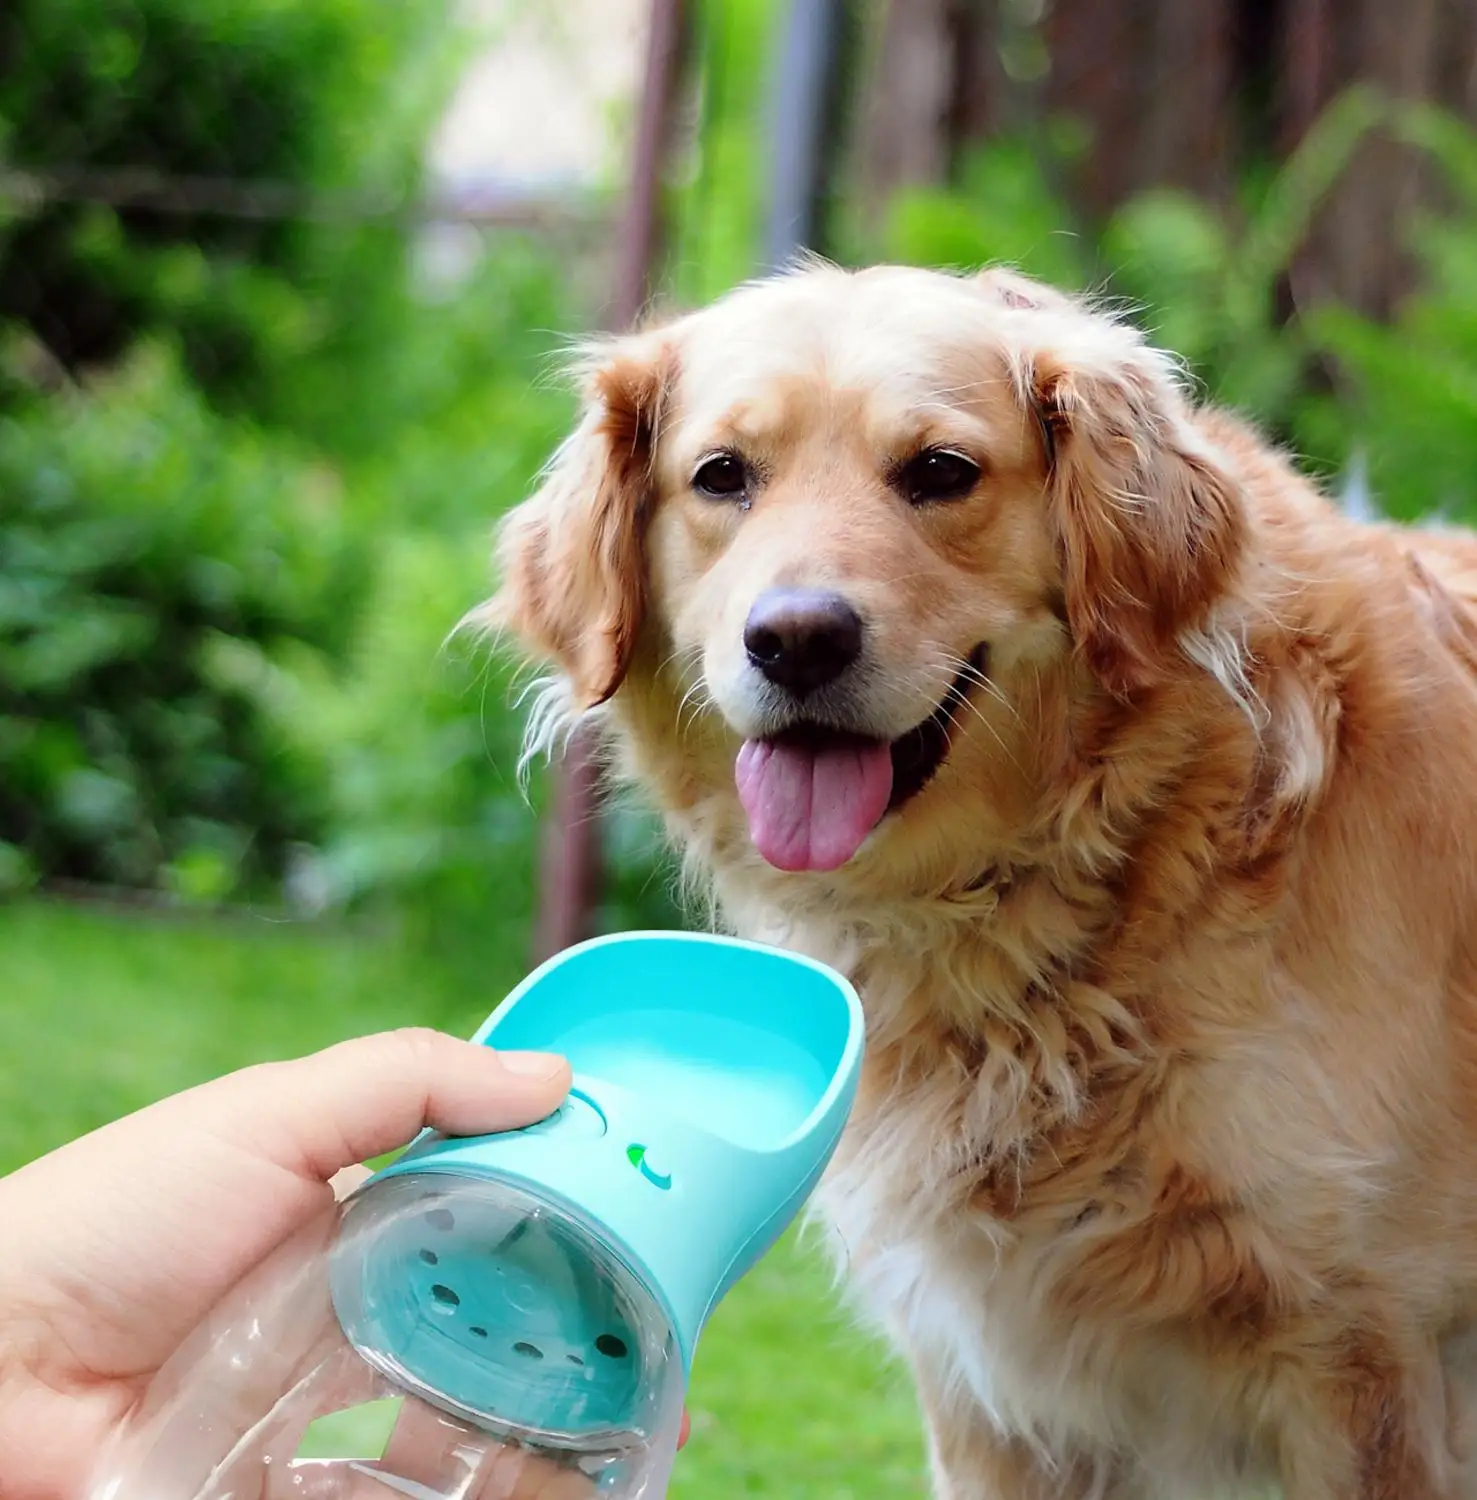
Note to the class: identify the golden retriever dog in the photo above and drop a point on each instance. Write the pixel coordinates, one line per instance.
(1135, 787)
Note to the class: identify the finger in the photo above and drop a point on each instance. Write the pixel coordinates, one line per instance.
(516, 1475)
(429, 1453)
(348, 1180)
(423, 1438)
(334, 1479)
(275, 1360)
(362, 1098)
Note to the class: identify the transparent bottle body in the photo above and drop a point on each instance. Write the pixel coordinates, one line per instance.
(436, 1336)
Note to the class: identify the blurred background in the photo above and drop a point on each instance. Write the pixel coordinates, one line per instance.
(284, 286)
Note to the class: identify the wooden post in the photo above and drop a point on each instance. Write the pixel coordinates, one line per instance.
(571, 871)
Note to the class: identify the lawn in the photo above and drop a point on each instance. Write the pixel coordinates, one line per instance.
(102, 1013)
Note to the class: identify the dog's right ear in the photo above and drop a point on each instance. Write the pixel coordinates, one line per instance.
(571, 559)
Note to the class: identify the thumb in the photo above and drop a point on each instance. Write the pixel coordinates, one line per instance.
(333, 1109)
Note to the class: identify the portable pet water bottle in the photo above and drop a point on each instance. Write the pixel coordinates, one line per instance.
(518, 1312)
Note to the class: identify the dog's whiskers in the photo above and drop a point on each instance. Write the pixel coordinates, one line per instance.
(977, 678)
(700, 700)
(971, 674)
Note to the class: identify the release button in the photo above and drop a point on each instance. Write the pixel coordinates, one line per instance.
(577, 1119)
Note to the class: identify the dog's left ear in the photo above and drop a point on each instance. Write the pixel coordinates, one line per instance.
(1149, 523)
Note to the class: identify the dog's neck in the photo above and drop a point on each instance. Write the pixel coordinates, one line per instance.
(994, 928)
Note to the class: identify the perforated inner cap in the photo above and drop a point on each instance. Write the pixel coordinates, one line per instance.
(504, 1309)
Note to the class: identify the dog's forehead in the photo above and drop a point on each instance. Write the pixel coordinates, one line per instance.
(891, 343)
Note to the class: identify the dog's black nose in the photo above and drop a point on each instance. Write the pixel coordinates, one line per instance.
(801, 639)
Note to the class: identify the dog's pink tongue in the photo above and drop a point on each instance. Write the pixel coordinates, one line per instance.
(810, 809)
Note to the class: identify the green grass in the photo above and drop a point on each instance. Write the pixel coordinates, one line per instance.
(102, 1013)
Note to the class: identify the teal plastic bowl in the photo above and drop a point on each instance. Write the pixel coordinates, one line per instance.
(550, 1285)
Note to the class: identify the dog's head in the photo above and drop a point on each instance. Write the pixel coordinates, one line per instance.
(842, 515)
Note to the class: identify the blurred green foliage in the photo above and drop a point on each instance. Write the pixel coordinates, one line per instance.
(1202, 282)
(1003, 208)
(248, 465)
(1408, 390)
(1209, 284)
(717, 207)
(276, 101)
(248, 470)
(139, 537)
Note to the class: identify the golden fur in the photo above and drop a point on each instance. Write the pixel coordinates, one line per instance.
(1163, 1174)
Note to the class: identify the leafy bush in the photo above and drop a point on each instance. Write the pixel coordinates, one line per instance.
(247, 483)
(1408, 393)
(438, 412)
(420, 738)
(275, 97)
(1203, 282)
(1003, 209)
(139, 533)
(420, 747)
(1398, 400)
(717, 214)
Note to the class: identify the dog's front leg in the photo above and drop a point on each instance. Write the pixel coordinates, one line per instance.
(972, 1459)
(1363, 1423)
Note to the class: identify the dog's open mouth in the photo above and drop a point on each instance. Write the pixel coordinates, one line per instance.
(812, 795)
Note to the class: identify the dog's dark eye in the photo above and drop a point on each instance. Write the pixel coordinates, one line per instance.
(937, 474)
(721, 477)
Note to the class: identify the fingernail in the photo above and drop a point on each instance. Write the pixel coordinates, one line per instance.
(532, 1064)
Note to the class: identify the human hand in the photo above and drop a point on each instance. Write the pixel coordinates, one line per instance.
(119, 1245)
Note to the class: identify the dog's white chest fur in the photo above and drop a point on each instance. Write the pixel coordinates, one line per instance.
(969, 1303)
(960, 1298)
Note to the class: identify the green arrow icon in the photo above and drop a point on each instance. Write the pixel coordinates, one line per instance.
(636, 1155)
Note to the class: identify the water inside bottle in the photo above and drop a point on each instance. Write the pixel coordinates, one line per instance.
(438, 1337)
